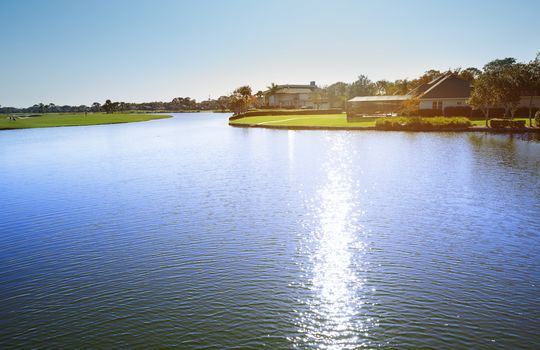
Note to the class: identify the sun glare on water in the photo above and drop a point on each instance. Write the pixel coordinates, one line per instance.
(333, 252)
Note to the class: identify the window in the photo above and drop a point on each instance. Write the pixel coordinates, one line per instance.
(437, 105)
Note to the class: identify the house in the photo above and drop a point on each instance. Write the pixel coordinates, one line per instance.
(295, 96)
(445, 95)
(445, 91)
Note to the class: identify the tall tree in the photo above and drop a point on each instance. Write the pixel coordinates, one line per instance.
(503, 78)
(108, 107)
(530, 82)
(470, 74)
(244, 91)
(362, 87)
(402, 87)
(96, 106)
(272, 91)
(337, 94)
(483, 96)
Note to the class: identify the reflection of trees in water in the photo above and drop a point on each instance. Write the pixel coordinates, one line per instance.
(520, 151)
(529, 136)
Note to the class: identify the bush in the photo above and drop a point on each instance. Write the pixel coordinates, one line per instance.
(506, 123)
(458, 111)
(291, 112)
(422, 123)
(537, 119)
(430, 112)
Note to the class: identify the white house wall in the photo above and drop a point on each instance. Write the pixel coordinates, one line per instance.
(460, 102)
(446, 102)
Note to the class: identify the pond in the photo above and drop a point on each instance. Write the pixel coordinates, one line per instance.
(189, 233)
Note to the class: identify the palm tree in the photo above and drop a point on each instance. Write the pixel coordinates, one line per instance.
(272, 90)
(108, 106)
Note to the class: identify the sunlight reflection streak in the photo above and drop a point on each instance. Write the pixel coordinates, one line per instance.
(333, 319)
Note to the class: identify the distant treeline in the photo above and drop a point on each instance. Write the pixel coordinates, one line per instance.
(177, 104)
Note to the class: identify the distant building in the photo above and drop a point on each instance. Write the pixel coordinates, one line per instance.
(296, 96)
(375, 105)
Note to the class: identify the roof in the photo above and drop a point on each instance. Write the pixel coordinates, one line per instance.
(295, 90)
(450, 86)
(297, 86)
(380, 98)
(426, 86)
(444, 86)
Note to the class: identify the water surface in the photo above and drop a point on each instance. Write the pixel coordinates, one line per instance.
(192, 234)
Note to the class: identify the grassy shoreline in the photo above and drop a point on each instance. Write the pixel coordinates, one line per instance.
(74, 119)
(339, 122)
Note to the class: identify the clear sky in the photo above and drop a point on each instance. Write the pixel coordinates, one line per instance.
(78, 52)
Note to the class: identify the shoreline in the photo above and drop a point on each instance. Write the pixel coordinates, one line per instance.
(372, 128)
(78, 119)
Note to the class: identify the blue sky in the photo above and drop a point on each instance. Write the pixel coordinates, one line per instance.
(78, 52)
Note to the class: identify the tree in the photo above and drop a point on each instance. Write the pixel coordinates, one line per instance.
(337, 94)
(411, 106)
(499, 64)
(244, 91)
(482, 96)
(504, 77)
(240, 100)
(96, 106)
(109, 106)
(223, 102)
(259, 98)
(427, 77)
(402, 87)
(272, 91)
(362, 87)
(382, 87)
(530, 82)
(470, 74)
(236, 103)
(318, 97)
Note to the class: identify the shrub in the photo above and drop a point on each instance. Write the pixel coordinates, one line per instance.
(430, 112)
(537, 119)
(422, 123)
(258, 113)
(457, 111)
(506, 123)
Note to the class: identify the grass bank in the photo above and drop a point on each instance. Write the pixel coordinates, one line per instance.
(73, 119)
(339, 122)
(325, 120)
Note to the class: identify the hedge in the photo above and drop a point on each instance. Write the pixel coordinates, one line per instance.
(421, 124)
(506, 123)
(291, 112)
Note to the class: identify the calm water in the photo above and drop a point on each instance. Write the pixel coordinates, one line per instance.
(189, 233)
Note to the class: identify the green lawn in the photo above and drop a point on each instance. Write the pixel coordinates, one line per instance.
(73, 119)
(325, 120)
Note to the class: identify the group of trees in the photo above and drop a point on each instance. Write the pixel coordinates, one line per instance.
(503, 82)
(338, 93)
(177, 104)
